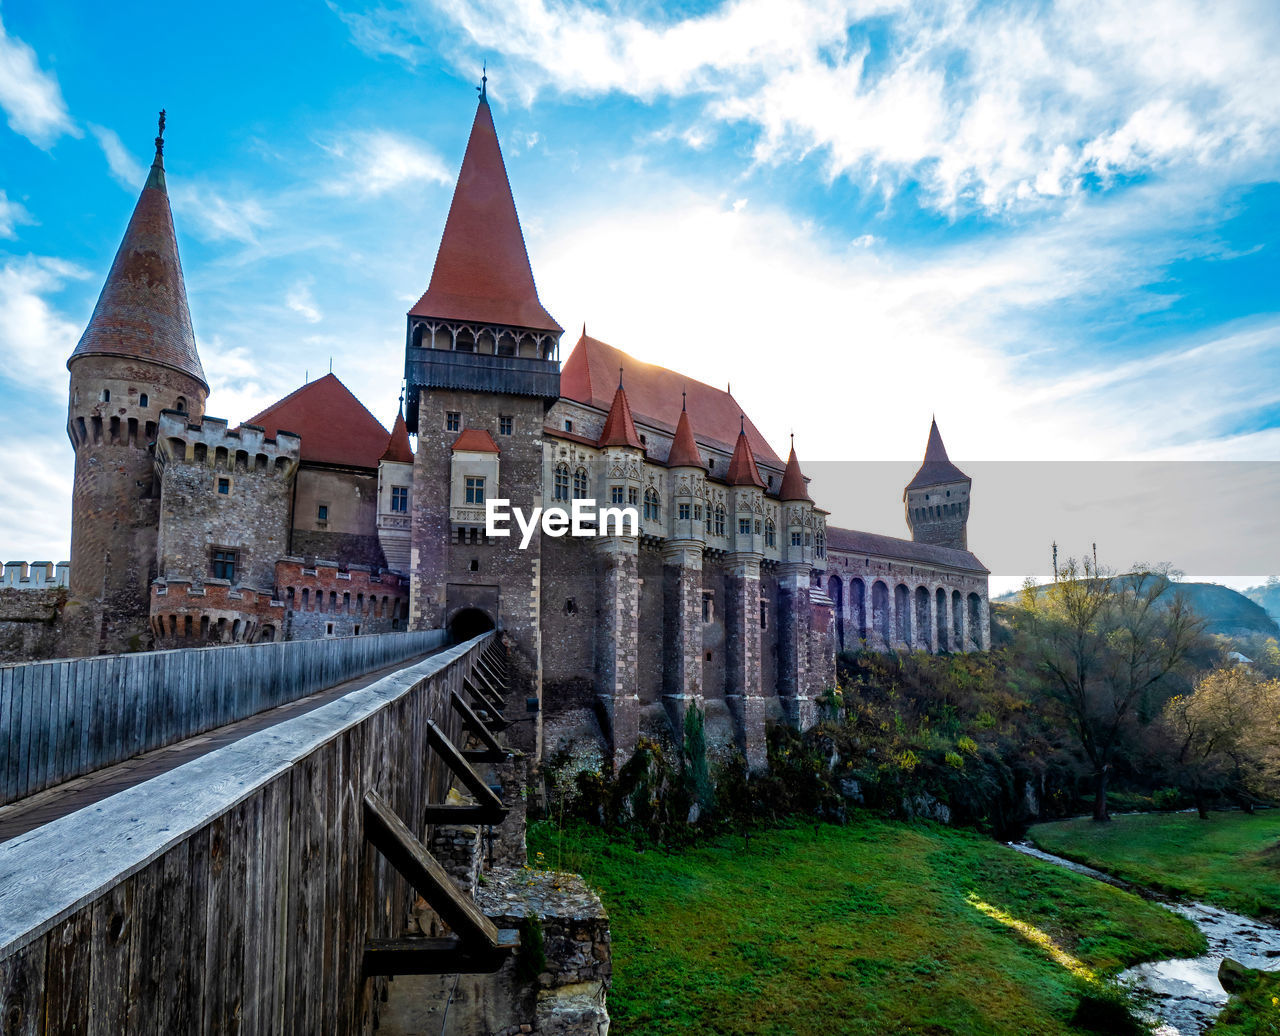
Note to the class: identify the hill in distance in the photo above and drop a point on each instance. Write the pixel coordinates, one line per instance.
(1267, 595)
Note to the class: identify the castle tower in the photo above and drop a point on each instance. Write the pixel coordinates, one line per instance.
(482, 367)
(802, 527)
(937, 498)
(136, 358)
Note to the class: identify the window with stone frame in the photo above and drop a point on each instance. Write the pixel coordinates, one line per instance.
(400, 499)
(770, 534)
(633, 496)
(322, 512)
(475, 490)
(757, 526)
(795, 539)
(820, 545)
(224, 487)
(744, 526)
(708, 612)
(223, 562)
(720, 519)
(560, 490)
(453, 421)
(652, 505)
(616, 495)
(505, 424)
(684, 511)
(580, 484)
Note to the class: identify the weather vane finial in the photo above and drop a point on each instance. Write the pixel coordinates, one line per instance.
(684, 401)
(619, 377)
(484, 82)
(160, 136)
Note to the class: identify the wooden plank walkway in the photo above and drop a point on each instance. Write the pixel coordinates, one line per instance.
(25, 815)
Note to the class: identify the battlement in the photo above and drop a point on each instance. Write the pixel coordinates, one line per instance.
(325, 600)
(211, 442)
(185, 613)
(36, 575)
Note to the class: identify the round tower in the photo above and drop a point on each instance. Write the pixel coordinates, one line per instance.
(136, 358)
(937, 498)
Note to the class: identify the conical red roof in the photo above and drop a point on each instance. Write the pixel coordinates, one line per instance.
(684, 449)
(398, 449)
(619, 428)
(482, 271)
(336, 428)
(742, 465)
(937, 469)
(793, 486)
(142, 312)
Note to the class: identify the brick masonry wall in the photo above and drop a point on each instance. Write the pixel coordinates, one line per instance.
(213, 612)
(325, 600)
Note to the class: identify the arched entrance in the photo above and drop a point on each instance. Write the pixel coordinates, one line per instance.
(835, 590)
(468, 623)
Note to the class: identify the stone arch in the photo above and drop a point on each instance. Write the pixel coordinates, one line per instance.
(940, 620)
(415, 339)
(902, 613)
(974, 638)
(880, 611)
(858, 607)
(957, 620)
(464, 340)
(835, 590)
(469, 622)
(922, 619)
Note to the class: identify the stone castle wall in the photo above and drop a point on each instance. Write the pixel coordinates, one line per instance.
(325, 600)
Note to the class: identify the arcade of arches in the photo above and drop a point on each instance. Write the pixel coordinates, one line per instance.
(916, 609)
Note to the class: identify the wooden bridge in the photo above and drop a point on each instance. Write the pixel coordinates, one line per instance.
(255, 870)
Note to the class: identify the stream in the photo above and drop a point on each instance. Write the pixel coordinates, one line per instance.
(1187, 993)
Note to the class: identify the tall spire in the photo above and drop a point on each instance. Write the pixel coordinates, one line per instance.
(482, 271)
(937, 468)
(142, 312)
(742, 465)
(619, 427)
(793, 486)
(684, 448)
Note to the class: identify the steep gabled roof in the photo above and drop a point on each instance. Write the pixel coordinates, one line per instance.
(619, 427)
(142, 312)
(793, 485)
(590, 375)
(742, 466)
(398, 449)
(335, 427)
(475, 440)
(482, 270)
(684, 449)
(937, 469)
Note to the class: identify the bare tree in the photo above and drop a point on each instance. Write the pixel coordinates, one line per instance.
(1104, 644)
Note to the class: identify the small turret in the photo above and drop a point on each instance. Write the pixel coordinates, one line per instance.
(937, 498)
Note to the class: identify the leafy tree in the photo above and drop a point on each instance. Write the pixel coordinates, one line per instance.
(1104, 646)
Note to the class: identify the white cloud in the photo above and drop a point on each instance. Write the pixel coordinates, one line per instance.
(30, 96)
(125, 169)
(378, 161)
(300, 300)
(995, 106)
(35, 521)
(37, 338)
(11, 214)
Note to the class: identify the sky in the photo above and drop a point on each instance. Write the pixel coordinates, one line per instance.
(1053, 225)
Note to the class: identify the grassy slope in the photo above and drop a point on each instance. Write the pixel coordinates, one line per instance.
(1232, 860)
(1256, 1012)
(871, 928)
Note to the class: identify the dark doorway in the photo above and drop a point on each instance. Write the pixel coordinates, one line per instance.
(468, 623)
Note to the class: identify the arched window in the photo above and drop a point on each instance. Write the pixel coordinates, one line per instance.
(819, 544)
(580, 484)
(142, 400)
(652, 505)
(181, 405)
(770, 533)
(719, 519)
(562, 482)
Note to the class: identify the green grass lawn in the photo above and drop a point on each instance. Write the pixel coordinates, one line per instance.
(876, 927)
(1232, 859)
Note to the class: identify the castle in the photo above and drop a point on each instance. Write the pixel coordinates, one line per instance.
(310, 520)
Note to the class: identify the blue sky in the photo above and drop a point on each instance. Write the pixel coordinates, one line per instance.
(1054, 225)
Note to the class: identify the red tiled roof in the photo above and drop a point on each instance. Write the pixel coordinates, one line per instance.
(793, 485)
(142, 311)
(684, 450)
(937, 469)
(849, 541)
(476, 440)
(619, 428)
(482, 271)
(653, 393)
(335, 427)
(398, 448)
(742, 466)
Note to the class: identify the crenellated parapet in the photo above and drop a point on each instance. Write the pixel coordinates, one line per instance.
(324, 600)
(210, 442)
(36, 575)
(185, 613)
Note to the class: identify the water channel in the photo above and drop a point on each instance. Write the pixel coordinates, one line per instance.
(1187, 993)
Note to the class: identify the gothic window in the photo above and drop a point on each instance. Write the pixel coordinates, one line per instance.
(744, 526)
(181, 405)
(757, 526)
(453, 421)
(475, 490)
(652, 506)
(684, 512)
(580, 484)
(616, 495)
(143, 400)
(504, 425)
(807, 540)
(708, 525)
(400, 499)
(697, 512)
(795, 539)
(224, 564)
(719, 520)
(820, 545)
(561, 483)
(633, 496)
